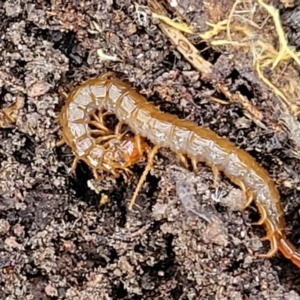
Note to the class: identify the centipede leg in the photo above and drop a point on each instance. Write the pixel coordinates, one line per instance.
(99, 116)
(62, 93)
(194, 165)
(96, 117)
(138, 142)
(108, 75)
(273, 250)
(60, 143)
(247, 195)
(115, 173)
(183, 160)
(128, 171)
(96, 174)
(74, 164)
(250, 198)
(271, 237)
(98, 132)
(216, 175)
(141, 145)
(104, 138)
(263, 216)
(143, 177)
(102, 114)
(99, 126)
(118, 128)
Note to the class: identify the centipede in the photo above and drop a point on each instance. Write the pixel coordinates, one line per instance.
(107, 94)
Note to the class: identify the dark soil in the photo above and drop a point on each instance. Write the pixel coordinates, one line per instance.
(184, 239)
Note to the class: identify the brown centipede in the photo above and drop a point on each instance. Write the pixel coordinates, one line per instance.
(181, 136)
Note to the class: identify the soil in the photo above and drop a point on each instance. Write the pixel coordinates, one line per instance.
(184, 239)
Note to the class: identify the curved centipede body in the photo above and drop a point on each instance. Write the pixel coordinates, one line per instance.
(182, 137)
(109, 151)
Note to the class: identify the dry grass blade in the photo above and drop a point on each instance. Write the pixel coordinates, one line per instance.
(243, 31)
(183, 45)
(191, 54)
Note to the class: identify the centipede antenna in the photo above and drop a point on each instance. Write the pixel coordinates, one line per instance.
(144, 175)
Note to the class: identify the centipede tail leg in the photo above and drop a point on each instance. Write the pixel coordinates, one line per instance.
(143, 177)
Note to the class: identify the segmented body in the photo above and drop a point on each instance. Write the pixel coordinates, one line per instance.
(181, 136)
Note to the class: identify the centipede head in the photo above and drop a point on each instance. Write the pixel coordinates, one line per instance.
(122, 153)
